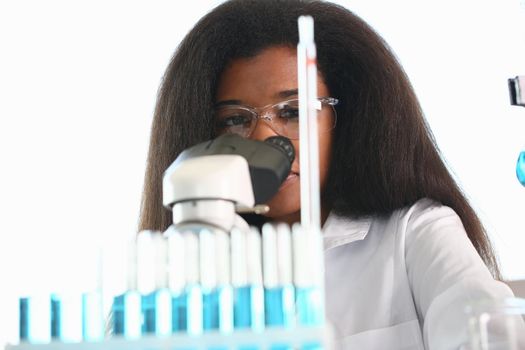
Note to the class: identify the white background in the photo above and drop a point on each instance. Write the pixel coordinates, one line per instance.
(78, 82)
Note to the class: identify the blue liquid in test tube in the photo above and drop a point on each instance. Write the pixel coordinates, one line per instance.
(179, 310)
(156, 312)
(309, 304)
(249, 307)
(279, 306)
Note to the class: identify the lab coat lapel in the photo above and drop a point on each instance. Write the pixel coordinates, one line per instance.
(339, 230)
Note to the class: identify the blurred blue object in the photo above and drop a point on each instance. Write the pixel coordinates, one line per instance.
(520, 168)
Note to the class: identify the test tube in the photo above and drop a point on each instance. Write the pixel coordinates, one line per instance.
(92, 304)
(66, 316)
(247, 280)
(309, 138)
(224, 286)
(126, 317)
(208, 279)
(184, 286)
(35, 318)
(177, 279)
(279, 295)
(193, 288)
(152, 283)
(214, 276)
(76, 304)
(308, 278)
(277, 269)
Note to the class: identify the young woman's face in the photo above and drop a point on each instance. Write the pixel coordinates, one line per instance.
(269, 78)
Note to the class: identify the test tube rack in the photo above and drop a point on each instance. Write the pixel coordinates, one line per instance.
(245, 290)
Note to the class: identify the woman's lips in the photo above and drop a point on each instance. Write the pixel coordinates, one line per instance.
(291, 178)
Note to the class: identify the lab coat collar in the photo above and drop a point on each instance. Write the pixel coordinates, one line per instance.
(339, 230)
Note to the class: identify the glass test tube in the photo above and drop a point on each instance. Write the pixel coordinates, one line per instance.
(126, 317)
(309, 293)
(277, 269)
(193, 288)
(92, 303)
(215, 281)
(152, 283)
(66, 317)
(183, 279)
(309, 138)
(247, 280)
(79, 283)
(177, 280)
(279, 295)
(308, 279)
(35, 319)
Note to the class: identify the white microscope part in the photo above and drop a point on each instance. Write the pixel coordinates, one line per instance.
(208, 189)
(225, 177)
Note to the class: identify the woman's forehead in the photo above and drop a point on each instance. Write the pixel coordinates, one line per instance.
(262, 79)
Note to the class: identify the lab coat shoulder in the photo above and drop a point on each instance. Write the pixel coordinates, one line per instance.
(404, 279)
(444, 271)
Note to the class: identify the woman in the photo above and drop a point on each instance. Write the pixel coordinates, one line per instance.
(404, 249)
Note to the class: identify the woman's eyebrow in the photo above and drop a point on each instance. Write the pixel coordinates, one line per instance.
(287, 93)
(227, 103)
(280, 94)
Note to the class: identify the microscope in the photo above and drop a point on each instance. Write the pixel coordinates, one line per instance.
(210, 184)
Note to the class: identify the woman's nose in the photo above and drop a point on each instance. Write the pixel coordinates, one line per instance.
(262, 131)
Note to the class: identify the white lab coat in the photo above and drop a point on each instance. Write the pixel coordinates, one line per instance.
(402, 281)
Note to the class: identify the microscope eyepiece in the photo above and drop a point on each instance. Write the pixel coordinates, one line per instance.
(284, 144)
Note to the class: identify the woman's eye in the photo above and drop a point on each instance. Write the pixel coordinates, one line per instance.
(289, 113)
(233, 120)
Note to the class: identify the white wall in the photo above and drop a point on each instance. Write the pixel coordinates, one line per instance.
(78, 82)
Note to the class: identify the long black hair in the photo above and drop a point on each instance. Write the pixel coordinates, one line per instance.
(384, 156)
